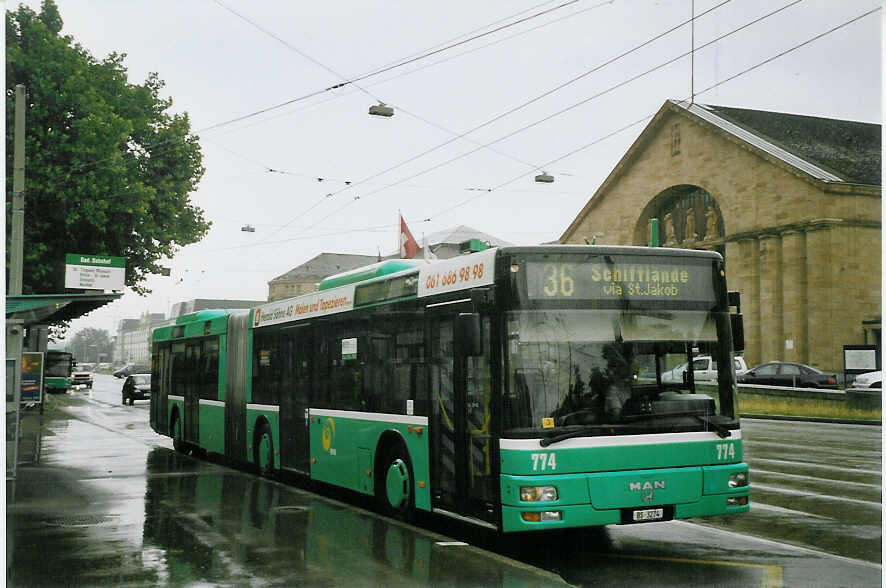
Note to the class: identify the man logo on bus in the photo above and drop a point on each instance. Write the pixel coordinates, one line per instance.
(328, 434)
(257, 317)
(644, 486)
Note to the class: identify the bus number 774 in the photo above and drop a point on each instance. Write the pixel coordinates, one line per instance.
(547, 461)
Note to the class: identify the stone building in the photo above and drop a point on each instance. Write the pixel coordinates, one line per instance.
(306, 277)
(793, 203)
(189, 306)
(133, 343)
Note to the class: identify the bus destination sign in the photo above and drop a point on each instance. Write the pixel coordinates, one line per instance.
(635, 280)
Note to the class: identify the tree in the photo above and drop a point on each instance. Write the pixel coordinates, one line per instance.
(91, 345)
(108, 169)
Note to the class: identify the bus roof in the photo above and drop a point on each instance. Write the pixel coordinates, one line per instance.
(367, 272)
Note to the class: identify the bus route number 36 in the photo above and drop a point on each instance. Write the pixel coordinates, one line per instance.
(544, 461)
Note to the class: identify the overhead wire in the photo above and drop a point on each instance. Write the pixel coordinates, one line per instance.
(432, 64)
(649, 116)
(494, 119)
(559, 112)
(318, 92)
(353, 81)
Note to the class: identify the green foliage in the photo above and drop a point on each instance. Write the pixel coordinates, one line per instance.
(90, 344)
(108, 169)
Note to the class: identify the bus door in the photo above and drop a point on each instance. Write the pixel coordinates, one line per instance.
(192, 394)
(461, 441)
(295, 343)
(161, 371)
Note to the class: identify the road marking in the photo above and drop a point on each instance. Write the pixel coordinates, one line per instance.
(875, 454)
(773, 576)
(792, 546)
(763, 506)
(779, 490)
(842, 483)
(818, 466)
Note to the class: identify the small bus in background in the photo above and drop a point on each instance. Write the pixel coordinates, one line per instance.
(57, 369)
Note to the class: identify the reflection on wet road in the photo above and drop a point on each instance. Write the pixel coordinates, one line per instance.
(102, 508)
(814, 484)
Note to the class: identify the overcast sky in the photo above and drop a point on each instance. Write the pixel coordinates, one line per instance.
(227, 59)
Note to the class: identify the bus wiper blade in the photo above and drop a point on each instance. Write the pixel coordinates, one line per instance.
(564, 436)
(722, 431)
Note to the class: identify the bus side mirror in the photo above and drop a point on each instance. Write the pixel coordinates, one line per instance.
(468, 334)
(737, 321)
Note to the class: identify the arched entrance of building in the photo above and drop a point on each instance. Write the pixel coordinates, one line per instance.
(688, 216)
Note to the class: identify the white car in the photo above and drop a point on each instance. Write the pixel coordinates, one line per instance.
(705, 369)
(869, 380)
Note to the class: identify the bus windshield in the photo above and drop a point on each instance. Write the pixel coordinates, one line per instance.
(613, 371)
(57, 365)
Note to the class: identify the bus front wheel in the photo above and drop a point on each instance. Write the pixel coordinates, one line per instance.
(263, 450)
(395, 483)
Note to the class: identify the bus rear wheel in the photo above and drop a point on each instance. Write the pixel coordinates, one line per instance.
(263, 450)
(395, 483)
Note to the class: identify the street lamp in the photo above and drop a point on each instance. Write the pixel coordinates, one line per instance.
(544, 178)
(381, 109)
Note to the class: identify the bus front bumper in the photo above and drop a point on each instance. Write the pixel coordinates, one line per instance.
(580, 502)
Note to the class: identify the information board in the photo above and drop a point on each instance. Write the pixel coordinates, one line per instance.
(94, 272)
(32, 377)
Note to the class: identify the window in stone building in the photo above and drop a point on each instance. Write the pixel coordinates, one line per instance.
(675, 139)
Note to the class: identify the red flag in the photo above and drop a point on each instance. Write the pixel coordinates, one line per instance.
(408, 244)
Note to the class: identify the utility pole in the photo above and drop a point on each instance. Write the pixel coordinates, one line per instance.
(18, 195)
(15, 328)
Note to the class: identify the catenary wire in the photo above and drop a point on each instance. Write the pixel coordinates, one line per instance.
(498, 117)
(649, 116)
(640, 120)
(555, 114)
(361, 77)
(353, 81)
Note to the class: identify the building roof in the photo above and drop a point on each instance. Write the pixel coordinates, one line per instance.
(828, 149)
(50, 309)
(325, 265)
(463, 233)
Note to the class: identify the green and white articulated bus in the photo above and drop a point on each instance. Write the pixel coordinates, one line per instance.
(516, 388)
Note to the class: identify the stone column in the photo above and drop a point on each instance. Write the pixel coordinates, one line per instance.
(771, 309)
(819, 295)
(743, 275)
(794, 295)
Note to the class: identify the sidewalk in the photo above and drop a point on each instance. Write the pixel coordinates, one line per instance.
(102, 503)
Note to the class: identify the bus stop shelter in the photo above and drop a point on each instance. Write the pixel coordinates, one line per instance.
(34, 313)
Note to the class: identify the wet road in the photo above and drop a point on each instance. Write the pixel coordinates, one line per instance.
(109, 502)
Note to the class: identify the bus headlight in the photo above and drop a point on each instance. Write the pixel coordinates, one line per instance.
(538, 493)
(738, 479)
(542, 517)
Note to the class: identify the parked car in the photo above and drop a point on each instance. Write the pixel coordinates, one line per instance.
(705, 369)
(787, 373)
(136, 387)
(131, 368)
(81, 377)
(869, 380)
